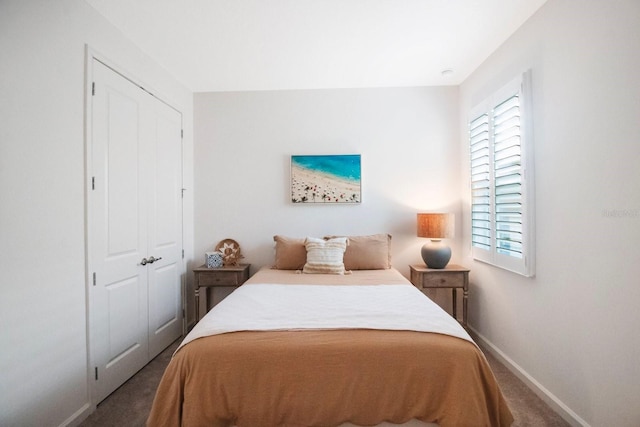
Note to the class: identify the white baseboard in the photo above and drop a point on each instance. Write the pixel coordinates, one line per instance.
(79, 416)
(549, 398)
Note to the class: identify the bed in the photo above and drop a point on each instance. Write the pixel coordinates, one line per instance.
(361, 347)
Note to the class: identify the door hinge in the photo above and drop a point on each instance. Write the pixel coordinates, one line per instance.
(93, 182)
(94, 279)
(183, 313)
(93, 88)
(182, 192)
(96, 372)
(183, 254)
(181, 133)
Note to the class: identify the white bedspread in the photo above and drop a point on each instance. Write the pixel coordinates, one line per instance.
(273, 307)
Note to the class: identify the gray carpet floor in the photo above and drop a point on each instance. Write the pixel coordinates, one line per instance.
(130, 404)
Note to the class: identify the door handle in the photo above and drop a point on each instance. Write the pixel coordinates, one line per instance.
(150, 260)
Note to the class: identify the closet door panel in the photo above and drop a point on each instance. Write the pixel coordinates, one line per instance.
(118, 233)
(165, 219)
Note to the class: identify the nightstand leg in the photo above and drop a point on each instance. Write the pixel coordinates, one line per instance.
(465, 295)
(454, 296)
(197, 304)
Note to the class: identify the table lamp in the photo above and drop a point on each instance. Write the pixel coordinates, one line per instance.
(436, 226)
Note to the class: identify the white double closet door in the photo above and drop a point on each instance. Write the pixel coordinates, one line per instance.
(134, 228)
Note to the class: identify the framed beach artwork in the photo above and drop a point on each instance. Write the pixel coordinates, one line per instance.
(326, 179)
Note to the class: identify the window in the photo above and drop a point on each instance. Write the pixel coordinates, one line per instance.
(502, 179)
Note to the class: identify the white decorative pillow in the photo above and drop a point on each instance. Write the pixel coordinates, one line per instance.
(325, 256)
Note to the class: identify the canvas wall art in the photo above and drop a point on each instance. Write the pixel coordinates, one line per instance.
(326, 179)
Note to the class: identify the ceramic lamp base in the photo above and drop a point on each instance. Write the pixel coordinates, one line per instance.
(436, 254)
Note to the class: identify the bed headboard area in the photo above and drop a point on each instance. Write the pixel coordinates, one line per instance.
(371, 252)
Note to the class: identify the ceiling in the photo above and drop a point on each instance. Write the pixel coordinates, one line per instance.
(237, 45)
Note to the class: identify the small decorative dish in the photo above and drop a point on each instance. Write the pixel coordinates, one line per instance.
(230, 250)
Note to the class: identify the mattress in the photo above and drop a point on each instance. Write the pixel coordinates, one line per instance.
(292, 364)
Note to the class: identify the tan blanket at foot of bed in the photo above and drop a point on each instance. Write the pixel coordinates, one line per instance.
(325, 378)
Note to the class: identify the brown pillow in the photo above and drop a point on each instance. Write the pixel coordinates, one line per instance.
(291, 253)
(368, 252)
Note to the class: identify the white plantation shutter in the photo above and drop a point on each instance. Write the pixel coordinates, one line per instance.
(502, 180)
(480, 183)
(508, 179)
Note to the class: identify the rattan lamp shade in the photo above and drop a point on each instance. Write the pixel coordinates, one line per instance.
(436, 226)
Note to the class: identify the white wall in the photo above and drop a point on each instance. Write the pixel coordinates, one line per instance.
(43, 362)
(573, 329)
(243, 142)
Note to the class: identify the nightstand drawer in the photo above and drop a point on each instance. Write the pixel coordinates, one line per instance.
(444, 280)
(221, 278)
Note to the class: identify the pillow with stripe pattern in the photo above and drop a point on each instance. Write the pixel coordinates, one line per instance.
(325, 256)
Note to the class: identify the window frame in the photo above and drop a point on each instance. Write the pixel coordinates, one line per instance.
(520, 86)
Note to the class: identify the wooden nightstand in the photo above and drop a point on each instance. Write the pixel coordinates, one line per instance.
(223, 276)
(452, 276)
